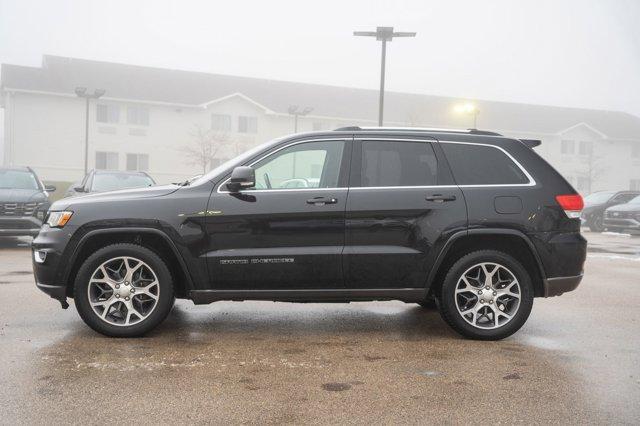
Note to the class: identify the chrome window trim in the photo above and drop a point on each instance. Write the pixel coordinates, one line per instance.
(343, 139)
(531, 182)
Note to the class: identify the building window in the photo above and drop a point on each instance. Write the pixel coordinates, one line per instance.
(138, 115)
(138, 162)
(586, 148)
(634, 185)
(247, 124)
(106, 160)
(221, 122)
(567, 147)
(106, 113)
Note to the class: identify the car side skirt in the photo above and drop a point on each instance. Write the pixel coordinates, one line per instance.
(410, 295)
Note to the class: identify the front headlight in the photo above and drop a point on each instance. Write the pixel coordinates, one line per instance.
(58, 219)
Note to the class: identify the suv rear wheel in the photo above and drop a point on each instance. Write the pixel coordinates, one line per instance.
(486, 295)
(123, 290)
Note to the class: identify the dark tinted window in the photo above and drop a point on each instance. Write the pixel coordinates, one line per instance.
(391, 163)
(482, 165)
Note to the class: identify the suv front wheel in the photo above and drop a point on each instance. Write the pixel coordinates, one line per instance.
(123, 290)
(486, 295)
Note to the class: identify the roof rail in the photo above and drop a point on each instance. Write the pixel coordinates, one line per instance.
(418, 129)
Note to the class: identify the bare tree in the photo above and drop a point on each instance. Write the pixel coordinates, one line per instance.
(203, 148)
(593, 169)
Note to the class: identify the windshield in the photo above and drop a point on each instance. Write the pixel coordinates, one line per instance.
(113, 181)
(235, 161)
(18, 179)
(598, 197)
(635, 200)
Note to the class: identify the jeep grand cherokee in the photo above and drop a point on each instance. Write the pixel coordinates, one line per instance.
(477, 222)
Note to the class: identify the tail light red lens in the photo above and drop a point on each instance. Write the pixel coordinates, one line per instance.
(571, 204)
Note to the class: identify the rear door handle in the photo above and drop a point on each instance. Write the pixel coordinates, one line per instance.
(439, 198)
(321, 201)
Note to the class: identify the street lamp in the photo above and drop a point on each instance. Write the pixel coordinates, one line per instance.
(293, 110)
(81, 92)
(383, 34)
(469, 108)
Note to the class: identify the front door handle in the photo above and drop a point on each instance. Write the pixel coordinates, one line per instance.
(321, 201)
(439, 198)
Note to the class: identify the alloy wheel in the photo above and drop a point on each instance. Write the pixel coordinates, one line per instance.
(123, 291)
(487, 295)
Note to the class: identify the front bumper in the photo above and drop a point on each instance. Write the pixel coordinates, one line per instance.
(19, 226)
(622, 223)
(559, 285)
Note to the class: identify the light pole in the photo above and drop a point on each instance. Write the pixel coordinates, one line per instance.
(82, 93)
(469, 108)
(383, 34)
(293, 110)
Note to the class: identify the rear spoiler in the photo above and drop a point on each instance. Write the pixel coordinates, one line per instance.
(531, 143)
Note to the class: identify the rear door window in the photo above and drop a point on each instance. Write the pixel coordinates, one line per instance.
(482, 165)
(398, 163)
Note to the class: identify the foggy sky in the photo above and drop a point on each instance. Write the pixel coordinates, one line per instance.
(569, 53)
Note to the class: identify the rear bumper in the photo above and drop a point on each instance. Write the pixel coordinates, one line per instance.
(559, 285)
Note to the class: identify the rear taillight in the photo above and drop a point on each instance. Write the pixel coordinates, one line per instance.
(571, 204)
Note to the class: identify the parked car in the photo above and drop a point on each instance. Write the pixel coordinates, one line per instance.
(595, 204)
(24, 201)
(477, 221)
(109, 180)
(623, 217)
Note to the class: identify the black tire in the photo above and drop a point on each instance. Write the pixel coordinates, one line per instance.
(165, 299)
(447, 301)
(596, 223)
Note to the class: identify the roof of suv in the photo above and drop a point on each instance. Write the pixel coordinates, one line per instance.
(417, 130)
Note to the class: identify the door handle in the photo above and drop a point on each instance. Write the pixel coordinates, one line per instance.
(321, 201)
(439, 198)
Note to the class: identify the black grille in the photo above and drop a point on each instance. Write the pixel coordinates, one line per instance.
(17, 209)
(621, 215)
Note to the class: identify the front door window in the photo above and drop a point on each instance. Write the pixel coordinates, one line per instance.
(306, 165)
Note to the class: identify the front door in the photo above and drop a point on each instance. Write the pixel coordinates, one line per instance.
(287, 232)
(402, 206)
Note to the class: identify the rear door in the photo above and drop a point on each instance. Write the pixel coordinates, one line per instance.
(401, 208)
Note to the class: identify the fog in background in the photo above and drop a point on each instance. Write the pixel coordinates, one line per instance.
(568, 53)
(571, 53)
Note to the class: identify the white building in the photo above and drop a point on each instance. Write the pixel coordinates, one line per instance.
(148, 119)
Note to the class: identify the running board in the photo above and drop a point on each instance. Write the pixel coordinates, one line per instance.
(410, 295)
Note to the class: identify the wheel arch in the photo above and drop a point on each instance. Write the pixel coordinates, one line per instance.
(510, 241)
(151, 238)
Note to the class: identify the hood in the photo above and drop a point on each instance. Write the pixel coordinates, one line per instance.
(21, 195)
(635, 207)
(123, 194)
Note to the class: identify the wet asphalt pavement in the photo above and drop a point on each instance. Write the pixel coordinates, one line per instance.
(577, 360)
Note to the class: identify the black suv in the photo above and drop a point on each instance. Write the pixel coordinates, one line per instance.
(24, 202)
(596, 203)
(477, 222)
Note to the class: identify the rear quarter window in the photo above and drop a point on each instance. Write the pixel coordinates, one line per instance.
(482, 165)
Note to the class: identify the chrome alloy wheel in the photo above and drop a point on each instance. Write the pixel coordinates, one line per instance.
(487, 295)
(123, 291)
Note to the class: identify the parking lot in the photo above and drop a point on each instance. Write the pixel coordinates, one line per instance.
(575, 361)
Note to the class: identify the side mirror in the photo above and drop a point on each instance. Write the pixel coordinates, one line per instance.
(242, 177)
(50, 188)
(79, 188)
